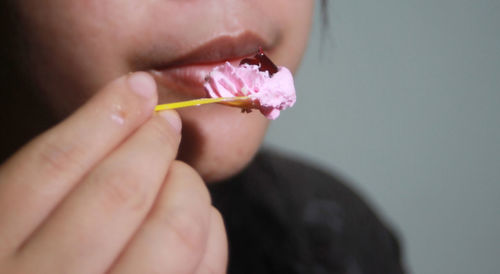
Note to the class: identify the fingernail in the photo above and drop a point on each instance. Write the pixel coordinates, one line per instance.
(172, 118)
(142, 84)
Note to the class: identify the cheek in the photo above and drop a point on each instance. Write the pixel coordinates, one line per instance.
(295, 19)
(218, 141)
(72, 49)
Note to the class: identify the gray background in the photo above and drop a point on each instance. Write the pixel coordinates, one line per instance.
(404, 102)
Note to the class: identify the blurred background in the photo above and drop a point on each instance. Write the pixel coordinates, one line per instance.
(402, 98)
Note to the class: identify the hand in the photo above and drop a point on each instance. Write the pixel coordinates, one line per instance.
(102, 193)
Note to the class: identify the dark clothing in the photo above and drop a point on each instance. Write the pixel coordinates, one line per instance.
(286, 217)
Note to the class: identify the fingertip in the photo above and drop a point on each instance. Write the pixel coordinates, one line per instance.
(173, 119)
(142, 83)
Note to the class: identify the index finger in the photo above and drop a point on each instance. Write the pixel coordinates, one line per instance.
(36, 178)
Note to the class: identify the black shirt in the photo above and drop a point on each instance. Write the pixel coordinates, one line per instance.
(283, 216)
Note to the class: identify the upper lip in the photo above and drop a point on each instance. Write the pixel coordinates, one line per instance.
(185, 73)
(219, 49)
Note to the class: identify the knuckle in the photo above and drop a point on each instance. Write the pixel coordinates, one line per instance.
(183, 171)
(123, 190)
(188, 229)
(58, 156)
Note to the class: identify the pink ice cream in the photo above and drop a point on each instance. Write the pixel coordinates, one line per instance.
(268, 94)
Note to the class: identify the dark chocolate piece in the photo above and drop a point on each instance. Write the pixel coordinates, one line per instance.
(261, 60)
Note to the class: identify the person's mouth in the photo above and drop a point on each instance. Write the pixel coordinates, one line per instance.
(187, 80)
(186, 74)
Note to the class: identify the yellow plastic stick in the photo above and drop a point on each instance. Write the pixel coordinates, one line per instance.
(198, 102)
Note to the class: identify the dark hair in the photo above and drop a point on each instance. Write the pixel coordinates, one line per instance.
(325, 20)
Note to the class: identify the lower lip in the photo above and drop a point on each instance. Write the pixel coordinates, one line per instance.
(187, 80)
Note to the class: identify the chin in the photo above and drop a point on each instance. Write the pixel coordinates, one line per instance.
(219, 141)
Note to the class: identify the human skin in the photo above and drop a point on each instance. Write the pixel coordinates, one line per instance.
(75, 47)
(100, 192)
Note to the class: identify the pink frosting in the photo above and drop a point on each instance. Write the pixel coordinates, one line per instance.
(269, 94)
